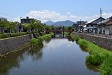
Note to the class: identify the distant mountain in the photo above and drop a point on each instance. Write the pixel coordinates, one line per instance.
(49, 23)
(60, 23)
(64, 23)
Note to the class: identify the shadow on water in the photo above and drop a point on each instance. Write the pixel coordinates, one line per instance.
(11, 61)
(92, 67)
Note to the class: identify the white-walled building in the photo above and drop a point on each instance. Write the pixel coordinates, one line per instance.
(92, 25)
(105, 27)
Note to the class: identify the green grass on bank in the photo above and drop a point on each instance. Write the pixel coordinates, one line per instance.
(40, 39)
(98, 56)
(8, 35)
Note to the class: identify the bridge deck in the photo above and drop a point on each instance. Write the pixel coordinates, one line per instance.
(58, 30)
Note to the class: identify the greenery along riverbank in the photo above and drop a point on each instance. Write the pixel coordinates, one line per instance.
(38, 41)
(98, 56)
(8, 35)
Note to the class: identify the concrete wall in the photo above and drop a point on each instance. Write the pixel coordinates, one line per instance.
(100, 41)
(15, 43)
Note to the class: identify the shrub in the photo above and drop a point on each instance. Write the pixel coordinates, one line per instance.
(106, 67)
(34, 42)
(99, 56)
(94, 59)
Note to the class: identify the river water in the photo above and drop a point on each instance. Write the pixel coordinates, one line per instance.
(56, 57)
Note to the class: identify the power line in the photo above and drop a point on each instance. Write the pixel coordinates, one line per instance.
(7, 15)
(109, 10)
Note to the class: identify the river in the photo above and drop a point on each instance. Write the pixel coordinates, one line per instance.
(56, 57)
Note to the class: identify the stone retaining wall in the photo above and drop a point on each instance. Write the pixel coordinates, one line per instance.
(100, 41)
(15, 43)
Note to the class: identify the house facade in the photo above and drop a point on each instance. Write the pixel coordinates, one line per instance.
(105, 27)
(92, 25)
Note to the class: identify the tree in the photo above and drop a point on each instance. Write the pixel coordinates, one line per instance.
(3, 25)
(17, 26)
(11, 26)
(36, 26)
(69, 28)
(27, 27)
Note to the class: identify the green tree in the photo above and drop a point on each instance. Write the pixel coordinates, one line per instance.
(2, 25)
(69, 28)
(11, 26)
(36, 26)
(27, 27)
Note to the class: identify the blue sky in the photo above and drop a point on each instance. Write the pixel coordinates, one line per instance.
(55, 9)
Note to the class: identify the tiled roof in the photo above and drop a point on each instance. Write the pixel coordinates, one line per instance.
(95, 21)
(108, 21)
(104, 21)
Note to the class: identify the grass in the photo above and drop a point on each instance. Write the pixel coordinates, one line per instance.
(38, 41)
(99, 57)
(71, 37)
(8, 35)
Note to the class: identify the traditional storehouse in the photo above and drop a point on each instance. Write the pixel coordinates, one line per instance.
(92, 25)
(26, 20)
(23, 21)
(105, 27)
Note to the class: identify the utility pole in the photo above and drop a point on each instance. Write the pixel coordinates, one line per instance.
(100, 12)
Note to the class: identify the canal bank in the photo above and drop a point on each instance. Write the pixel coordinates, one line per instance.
(98, 57)
(98, 40)
(14, 43)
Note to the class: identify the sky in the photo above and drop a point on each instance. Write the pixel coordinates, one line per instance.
(55, 10)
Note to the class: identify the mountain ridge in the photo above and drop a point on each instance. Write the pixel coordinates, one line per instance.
(60, 23)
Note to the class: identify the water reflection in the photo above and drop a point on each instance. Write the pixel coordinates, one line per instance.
(58, 57)
(36, 52)
(92, 67)
(11, 61)
(70, 39)
(14, 59)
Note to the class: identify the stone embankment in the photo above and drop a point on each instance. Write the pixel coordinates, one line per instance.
(14, 43)
(103, 42)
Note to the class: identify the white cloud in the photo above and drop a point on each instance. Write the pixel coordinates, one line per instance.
(46, 15)
(16, 19)
(68, 13)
